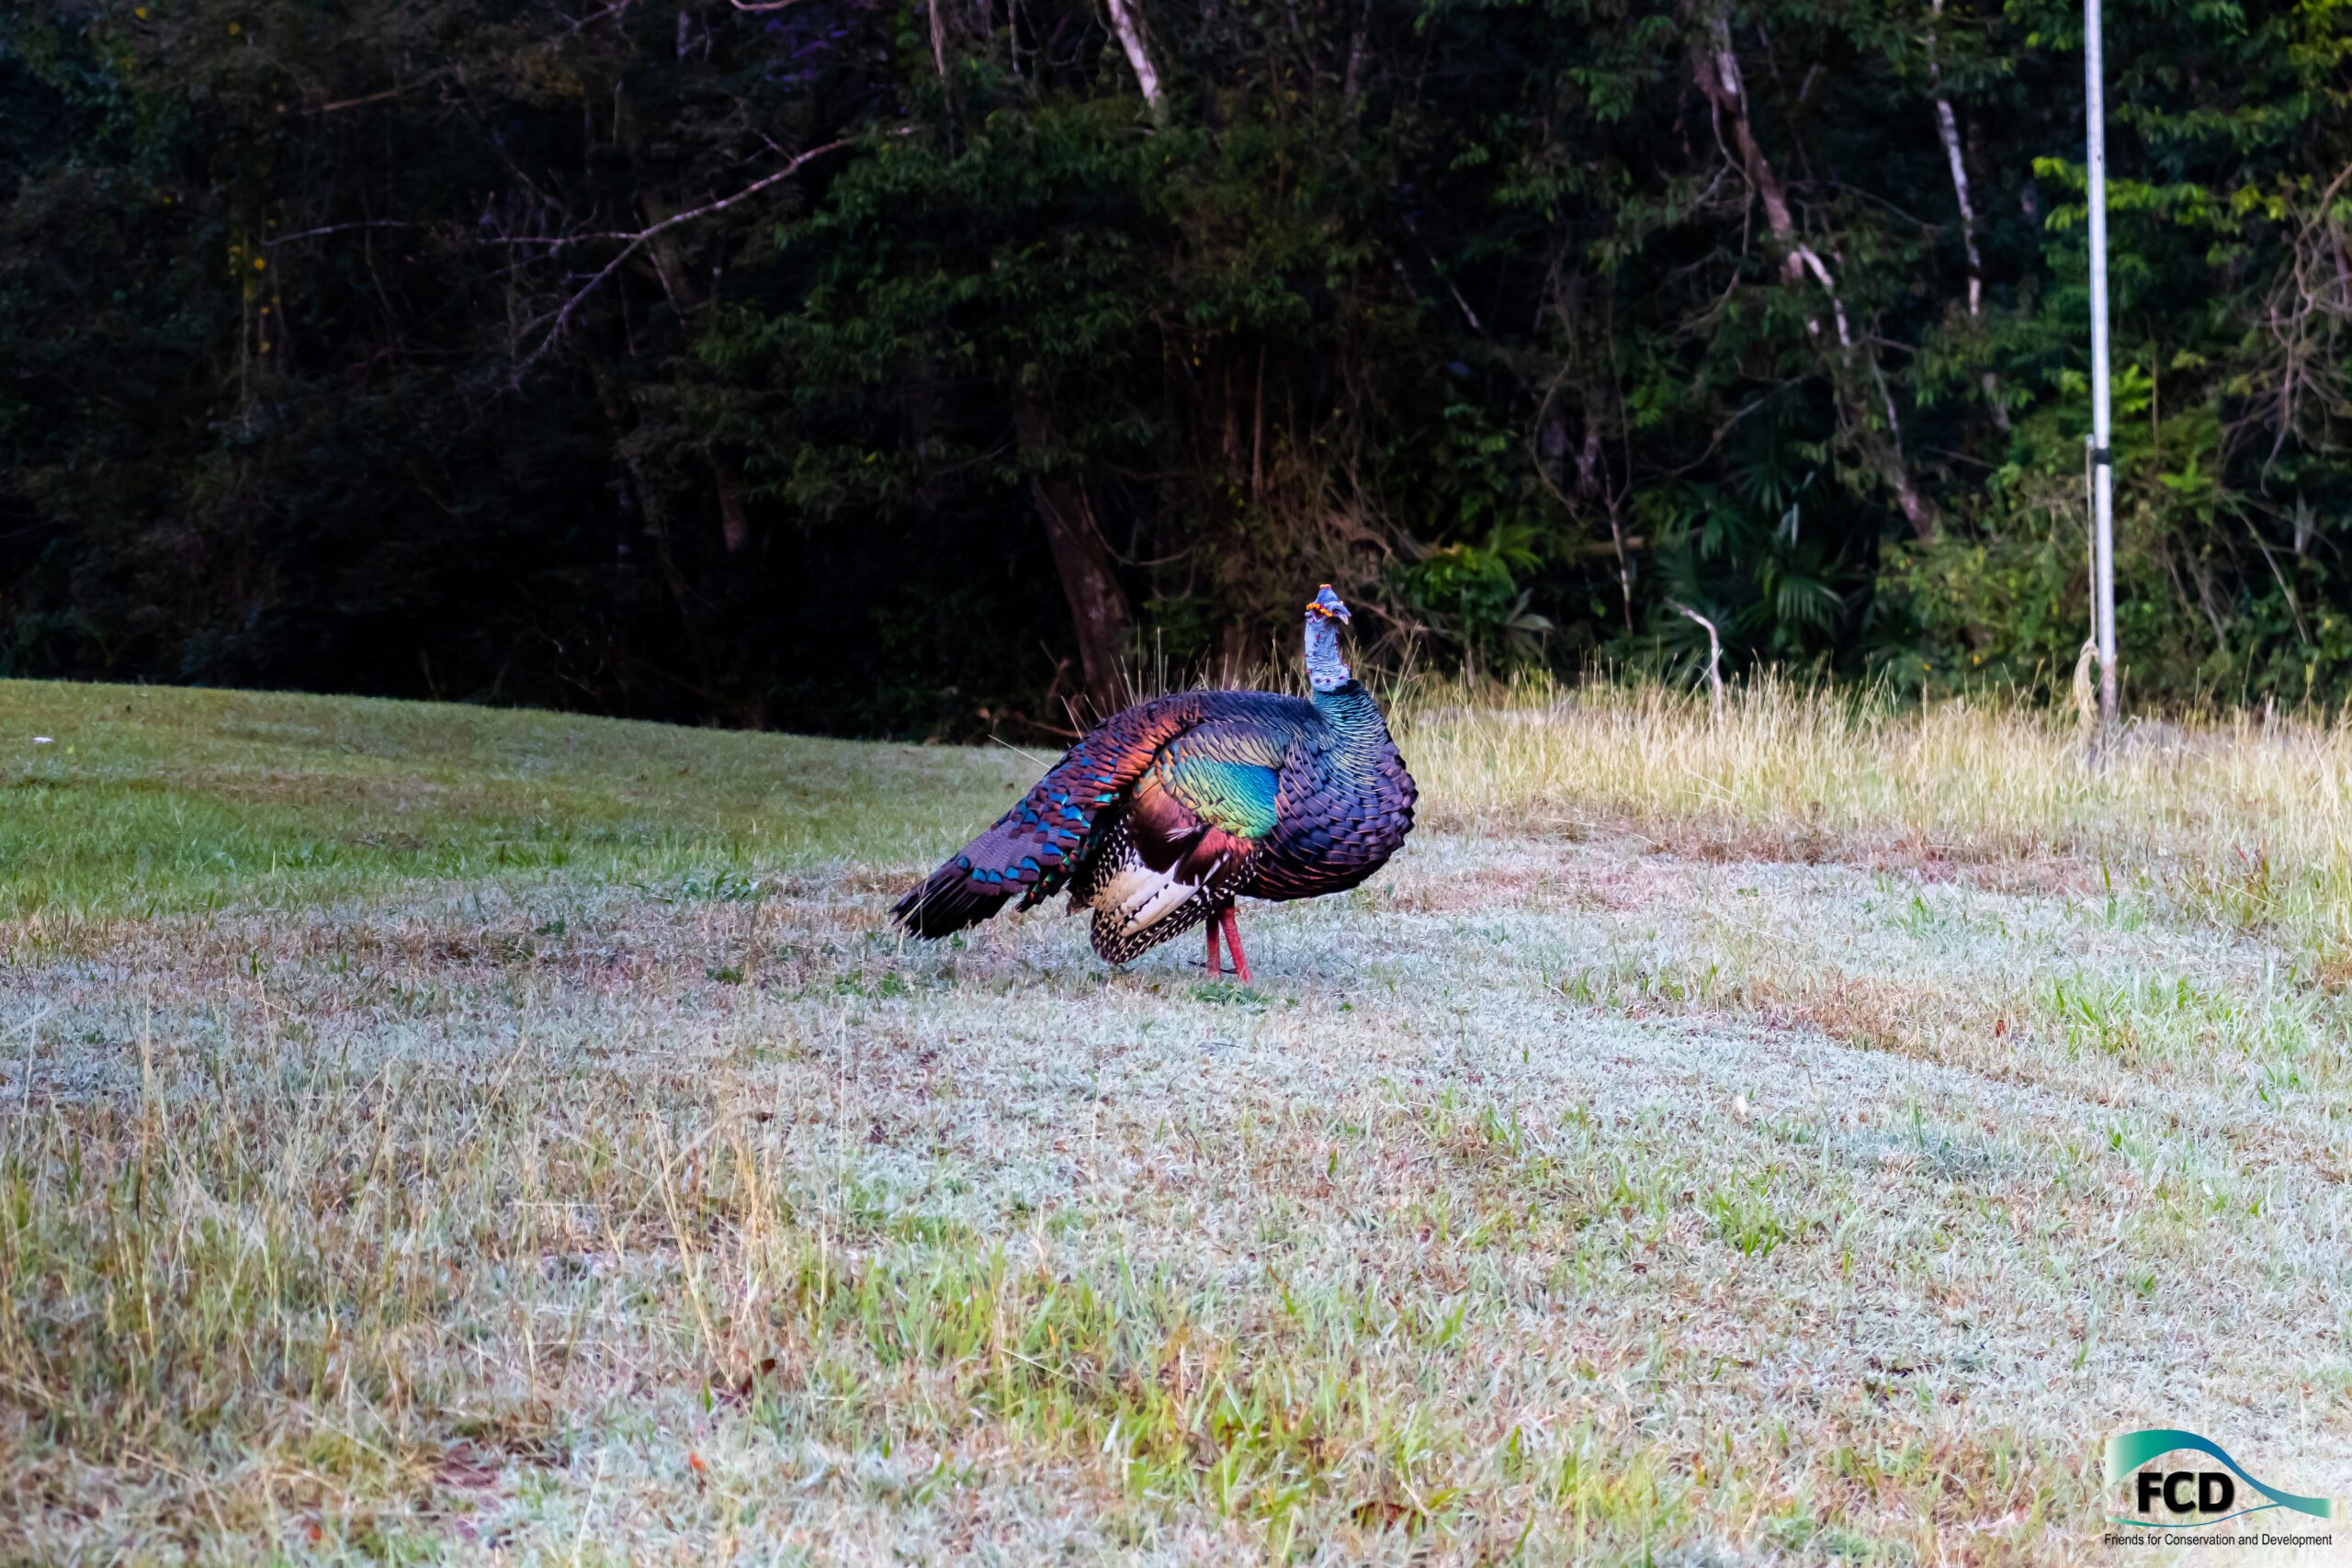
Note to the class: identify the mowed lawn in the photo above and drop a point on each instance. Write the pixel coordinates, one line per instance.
(1800, 1132)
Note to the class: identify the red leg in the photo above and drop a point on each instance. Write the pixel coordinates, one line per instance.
(1233, 940)
(1217, 964)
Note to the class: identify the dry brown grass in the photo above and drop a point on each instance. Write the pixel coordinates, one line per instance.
(2245, 821)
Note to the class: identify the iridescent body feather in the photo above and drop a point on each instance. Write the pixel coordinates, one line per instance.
(1165, 813)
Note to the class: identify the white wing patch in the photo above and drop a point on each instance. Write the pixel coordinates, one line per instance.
(1140, 895)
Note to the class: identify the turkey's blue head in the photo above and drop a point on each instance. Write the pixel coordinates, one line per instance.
(1325, 615)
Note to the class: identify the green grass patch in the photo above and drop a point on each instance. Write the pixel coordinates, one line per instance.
(143, 801)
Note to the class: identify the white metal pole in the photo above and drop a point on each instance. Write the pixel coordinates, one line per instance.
(2102, 463)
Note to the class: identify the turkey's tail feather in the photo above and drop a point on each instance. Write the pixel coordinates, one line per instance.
(1005, 862)
(948, 900)
(1032, 850)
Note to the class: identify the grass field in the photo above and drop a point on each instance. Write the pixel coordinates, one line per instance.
(1796, 1134)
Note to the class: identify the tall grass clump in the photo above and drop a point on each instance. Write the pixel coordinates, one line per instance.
(2238, 816)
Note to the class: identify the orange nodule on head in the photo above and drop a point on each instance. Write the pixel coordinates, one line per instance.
(1326, 604)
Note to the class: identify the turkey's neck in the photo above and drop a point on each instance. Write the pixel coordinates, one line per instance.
(1326, 670)
(1353, 718)
(1347, 708)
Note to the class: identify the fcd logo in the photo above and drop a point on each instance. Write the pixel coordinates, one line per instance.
(2167, 1498)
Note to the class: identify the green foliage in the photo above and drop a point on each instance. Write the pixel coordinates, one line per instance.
(504, 352)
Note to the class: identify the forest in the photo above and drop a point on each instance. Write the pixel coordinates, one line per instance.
(931, 368)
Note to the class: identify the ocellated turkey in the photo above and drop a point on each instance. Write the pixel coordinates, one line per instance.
(1168, 811)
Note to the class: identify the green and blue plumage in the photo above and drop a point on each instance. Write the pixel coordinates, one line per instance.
(1165, 813)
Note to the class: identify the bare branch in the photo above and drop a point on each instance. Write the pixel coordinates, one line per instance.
(350, 103)
(637, 240)
(1714, 652)
(614, 9)
(337, 229)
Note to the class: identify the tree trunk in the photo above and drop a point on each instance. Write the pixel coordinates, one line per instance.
(1127, 20)
(1098, 606)
(1948, 130)
(1719, 80)
(734, 527)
